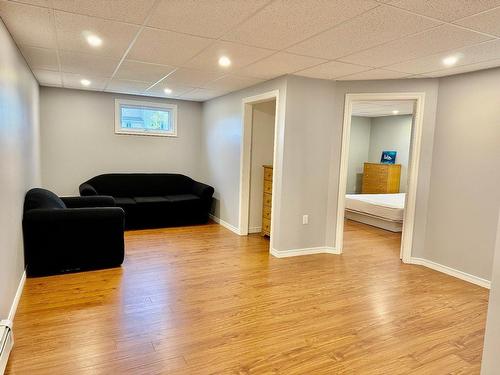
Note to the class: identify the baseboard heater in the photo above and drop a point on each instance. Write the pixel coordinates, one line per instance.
(6, 343)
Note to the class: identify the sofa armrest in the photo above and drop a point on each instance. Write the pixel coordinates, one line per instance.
(84, 220)
(202, 190)
(59, 240)
(87, 189)
(89, 201)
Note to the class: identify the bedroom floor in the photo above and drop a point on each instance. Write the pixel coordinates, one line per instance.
(202, 300)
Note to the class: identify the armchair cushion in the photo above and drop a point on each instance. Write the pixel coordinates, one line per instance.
(89, 201)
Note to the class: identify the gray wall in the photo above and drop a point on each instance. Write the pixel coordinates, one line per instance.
(309, 130)
(491, 359)
(392, 133)
(263, 117)
(78, 140)
(19, 161)
(464, 190)
(359, 146)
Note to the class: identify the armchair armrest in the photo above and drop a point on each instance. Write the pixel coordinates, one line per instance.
(87, 189)
(89, 201)
(202, 190)
(61, 240)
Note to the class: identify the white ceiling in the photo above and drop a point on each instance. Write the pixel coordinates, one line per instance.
(152, 44)
(381, 108)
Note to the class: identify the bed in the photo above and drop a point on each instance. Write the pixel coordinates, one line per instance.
(380, 210)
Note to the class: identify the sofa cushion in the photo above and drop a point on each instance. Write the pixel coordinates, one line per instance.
(182, 198)
(147, 200)
(124, 202)
(42, 198)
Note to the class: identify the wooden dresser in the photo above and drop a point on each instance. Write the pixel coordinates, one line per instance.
(267, 199)
(381, 178)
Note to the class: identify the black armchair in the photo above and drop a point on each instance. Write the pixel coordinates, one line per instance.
(71, 234)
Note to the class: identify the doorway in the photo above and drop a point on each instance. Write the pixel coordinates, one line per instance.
(380, 190)
(258, 163)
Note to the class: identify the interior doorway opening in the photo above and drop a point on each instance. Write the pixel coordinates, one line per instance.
(379, 164)
(258, 161)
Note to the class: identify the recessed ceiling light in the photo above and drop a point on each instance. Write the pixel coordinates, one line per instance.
(224, 61)
(450, 60)
(395, 112)
(167, 91)
(93, 40)
(85, 82)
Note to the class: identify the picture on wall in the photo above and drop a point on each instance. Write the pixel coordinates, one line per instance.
(388, 157)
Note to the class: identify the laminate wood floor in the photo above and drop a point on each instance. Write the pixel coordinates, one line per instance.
(202, 300)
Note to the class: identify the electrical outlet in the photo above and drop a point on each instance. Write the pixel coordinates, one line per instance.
(305, 219)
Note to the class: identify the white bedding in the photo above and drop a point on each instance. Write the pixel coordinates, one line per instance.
(387, 206)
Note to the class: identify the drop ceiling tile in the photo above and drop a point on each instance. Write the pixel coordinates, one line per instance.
(332, 70)
(39, 3)
(202, 95)
(72, 81)
(140, 71)
(372, 28)
(279, 64)
(119, 10)
(177, 90)
(203, 18)
(232, 83)
(48, 77)
(127, 87)
(239, 54)
(72, 29)
(446, 10)
(374, 75)
(40, 58)
(29, 25)
(191, 77)
(285, 22)
(468, 55)
(166, 47)
(466, 68)
(82, 63)
(488, 22)
(439, 39)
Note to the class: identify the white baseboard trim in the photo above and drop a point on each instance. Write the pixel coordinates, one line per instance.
(17, 297)
(305, 251)
(452, 272)
(226, 225)
(255, 230)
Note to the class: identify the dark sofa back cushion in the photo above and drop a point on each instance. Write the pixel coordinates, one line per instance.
(141, 184)
(42, 198)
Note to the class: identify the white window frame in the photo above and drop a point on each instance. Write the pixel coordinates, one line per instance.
(118, 123)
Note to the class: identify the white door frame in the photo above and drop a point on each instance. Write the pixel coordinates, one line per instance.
(246, 152)
(411, 194)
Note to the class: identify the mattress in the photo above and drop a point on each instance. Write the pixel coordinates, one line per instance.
(386, 206)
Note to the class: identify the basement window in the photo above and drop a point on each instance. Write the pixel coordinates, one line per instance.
(145, 118)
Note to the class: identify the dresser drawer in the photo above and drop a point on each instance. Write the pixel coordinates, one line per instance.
(266, 226)
(266, 212)
(268, 186)
(375, 188)
(267, 200)
(268, 174)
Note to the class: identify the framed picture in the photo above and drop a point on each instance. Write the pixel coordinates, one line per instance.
(388, 157)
